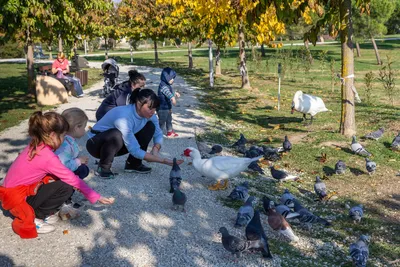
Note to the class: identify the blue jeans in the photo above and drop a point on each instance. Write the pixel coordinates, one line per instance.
(77, 85)
(82, 171)
(165, 120)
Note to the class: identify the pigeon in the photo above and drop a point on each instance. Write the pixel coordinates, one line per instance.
(396, 143)
(277, 222)
(216, 149)
(358, 149)
(340, 167)
(271, 153)
(370, 165)
(240, 192)
(307, 216)
(286, 212)
(255, 167)
(287, 199)
(356, 213)
(241, 142)
(234, 244)
(320, 188)
(179, 199)
(359, 251)
(245, 213)
(282, 176)
(218, 167)
(375, 135)
(255, 231)
(287, 146)
(253, 152)
(175, 176)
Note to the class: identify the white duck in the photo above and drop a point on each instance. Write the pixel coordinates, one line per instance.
(307, 104)
(219, 167)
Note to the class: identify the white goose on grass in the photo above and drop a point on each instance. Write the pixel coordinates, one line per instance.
(307, 104)
(219, 167)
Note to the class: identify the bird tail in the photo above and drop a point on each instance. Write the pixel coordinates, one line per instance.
(288, 232)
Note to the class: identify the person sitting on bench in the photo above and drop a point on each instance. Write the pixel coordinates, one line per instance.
(60, 68)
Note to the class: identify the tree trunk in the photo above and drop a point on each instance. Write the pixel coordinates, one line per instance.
(358, 49)
(106, 47)
(378, 58)
(190, 55)
(347, 119)
(253, 53)
(155, 52)
(60, 44)
(218, 61)
(262, 50)
(30, 69)
(50, 52)
(210, 62)
(242, 56)
(310, 58)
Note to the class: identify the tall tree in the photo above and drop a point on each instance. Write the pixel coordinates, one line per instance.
(373, 24)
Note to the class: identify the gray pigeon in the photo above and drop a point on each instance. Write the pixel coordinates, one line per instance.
(216, 149)
(245, 213)
(370, 166)
(287, 146)
(320, 188)
(240, 192)
(358, 149)
(282, 176)
(179, 199)
(286, 212)
(271, 153)
(234, 244)
(340, 167)
(287, 199)
(396, 143)
(253, 152)
(255, 167)
(375, 135)
(307, 216)
(241, 142)
(359, 251)
(255, 232)
(174, 176)
(356, 213)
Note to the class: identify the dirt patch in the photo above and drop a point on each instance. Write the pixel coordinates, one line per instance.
(335, 144)
(297, 138)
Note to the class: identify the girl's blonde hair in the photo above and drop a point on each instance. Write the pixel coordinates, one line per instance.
(74, 117)
(40, 128)
(61, 55)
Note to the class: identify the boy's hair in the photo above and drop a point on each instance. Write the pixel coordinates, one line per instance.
(41, 126)
(135, 76)
(144, 96)
(74, 117)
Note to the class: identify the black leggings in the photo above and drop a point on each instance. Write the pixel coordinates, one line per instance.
(49, 198)
(109, 144)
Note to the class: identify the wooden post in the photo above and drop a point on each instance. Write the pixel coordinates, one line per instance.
(279, 85)
(210, 61)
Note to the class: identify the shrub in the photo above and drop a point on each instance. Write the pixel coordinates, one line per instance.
(11, 49)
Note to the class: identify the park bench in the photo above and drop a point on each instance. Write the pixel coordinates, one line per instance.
(44, 70)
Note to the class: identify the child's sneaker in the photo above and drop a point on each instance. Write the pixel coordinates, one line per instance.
(105, 173)
(172, 134)
(68, 212)
(43, 227)
(52, 219)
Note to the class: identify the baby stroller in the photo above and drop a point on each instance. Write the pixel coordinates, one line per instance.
(110, 73)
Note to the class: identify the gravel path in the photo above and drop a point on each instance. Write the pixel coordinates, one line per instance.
(140, 229)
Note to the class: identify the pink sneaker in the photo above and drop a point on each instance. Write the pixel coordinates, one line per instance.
(172, 134)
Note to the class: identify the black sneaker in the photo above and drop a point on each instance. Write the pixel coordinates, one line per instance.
(140, 169)
(105, 173)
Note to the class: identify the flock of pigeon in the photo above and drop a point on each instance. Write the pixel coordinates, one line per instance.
(221, 168)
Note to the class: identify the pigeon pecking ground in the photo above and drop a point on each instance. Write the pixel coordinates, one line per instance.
(140, 229)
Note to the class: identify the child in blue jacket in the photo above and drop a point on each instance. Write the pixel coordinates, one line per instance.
(167, 97)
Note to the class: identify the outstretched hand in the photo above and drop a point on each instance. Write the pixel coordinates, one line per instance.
(107, 201)
(170, 161)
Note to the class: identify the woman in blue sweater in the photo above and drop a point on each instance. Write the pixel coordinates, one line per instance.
(128, 129)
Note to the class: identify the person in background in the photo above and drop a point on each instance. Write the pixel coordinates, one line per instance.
(167, 97)
(37, 183)
(60, 68)
(128, 129)
(120, 94)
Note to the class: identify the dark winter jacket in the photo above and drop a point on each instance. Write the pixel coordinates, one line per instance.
(119, 97)
(165, 90)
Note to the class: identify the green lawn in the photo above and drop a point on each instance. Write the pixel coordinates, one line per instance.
(15, 104)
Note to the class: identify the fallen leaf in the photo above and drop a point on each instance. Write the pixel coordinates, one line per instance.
(65, 232)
